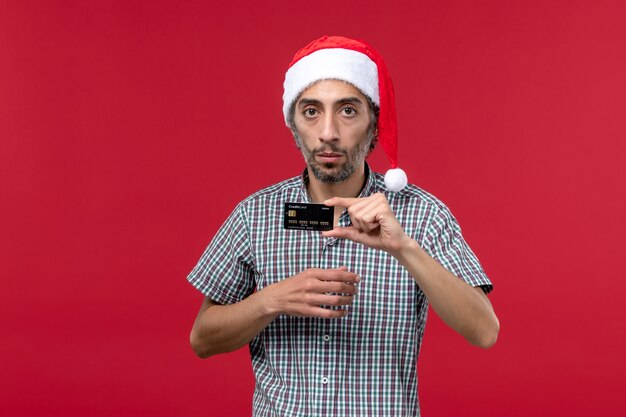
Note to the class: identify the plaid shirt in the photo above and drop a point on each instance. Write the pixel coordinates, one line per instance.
(363, 364)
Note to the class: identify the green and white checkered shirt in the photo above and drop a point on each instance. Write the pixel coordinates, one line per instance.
(363, 364)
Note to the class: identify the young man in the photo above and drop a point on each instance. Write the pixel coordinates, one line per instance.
(335, 319)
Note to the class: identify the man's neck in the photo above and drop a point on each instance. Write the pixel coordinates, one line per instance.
(320, 191)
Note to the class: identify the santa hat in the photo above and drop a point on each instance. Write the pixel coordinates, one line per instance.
(356, 62)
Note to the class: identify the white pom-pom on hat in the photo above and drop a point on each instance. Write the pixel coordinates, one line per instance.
(395, 179)
(356, 62)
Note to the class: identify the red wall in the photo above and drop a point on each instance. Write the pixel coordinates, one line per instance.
(129, 130)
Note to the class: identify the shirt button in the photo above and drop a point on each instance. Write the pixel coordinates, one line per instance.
(326, 338)
(324, 380)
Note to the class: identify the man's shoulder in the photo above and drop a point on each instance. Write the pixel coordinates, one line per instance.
(275, 191)
(410, 193)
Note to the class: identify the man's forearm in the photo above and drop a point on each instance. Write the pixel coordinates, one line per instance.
(464, 308)
(225, 328)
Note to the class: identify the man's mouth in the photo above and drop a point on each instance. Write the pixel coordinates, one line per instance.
(328, 157)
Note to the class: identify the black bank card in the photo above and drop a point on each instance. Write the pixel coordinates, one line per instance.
(308, 216)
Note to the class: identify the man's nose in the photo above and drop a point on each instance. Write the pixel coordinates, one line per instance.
(329, 128)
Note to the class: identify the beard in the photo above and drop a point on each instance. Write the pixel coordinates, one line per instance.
(335, 173)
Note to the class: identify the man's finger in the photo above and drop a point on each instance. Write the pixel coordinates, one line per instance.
(326, 313)
(334, 300)
(339, 287)
(341, 201)
(336, 275)
(349, 232)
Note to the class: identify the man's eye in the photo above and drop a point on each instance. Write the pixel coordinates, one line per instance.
(310, 112)
(348, 111)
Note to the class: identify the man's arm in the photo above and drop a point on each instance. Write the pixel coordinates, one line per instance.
(224, 328)
(464, 308)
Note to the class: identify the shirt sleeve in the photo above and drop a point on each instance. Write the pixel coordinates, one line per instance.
(446, 245)
(225, 272)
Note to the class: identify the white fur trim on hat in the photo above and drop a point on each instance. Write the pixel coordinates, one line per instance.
(334, 63)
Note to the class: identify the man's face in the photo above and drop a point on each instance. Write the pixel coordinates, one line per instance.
(333, 129)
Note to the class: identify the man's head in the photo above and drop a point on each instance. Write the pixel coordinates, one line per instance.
(335, 62)
(334, 125)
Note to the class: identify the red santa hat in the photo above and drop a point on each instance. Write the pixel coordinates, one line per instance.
(356, 62)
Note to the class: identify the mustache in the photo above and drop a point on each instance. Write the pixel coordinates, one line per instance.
(328, 148)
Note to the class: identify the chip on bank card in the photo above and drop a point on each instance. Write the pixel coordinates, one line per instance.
(308, 216)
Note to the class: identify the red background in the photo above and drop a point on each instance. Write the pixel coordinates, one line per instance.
(130, 129)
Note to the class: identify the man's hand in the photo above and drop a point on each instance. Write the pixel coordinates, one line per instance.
(373, 223)
(224, 328)
(304, 294)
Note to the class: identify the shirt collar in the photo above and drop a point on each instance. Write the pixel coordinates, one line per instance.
(367, 190)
